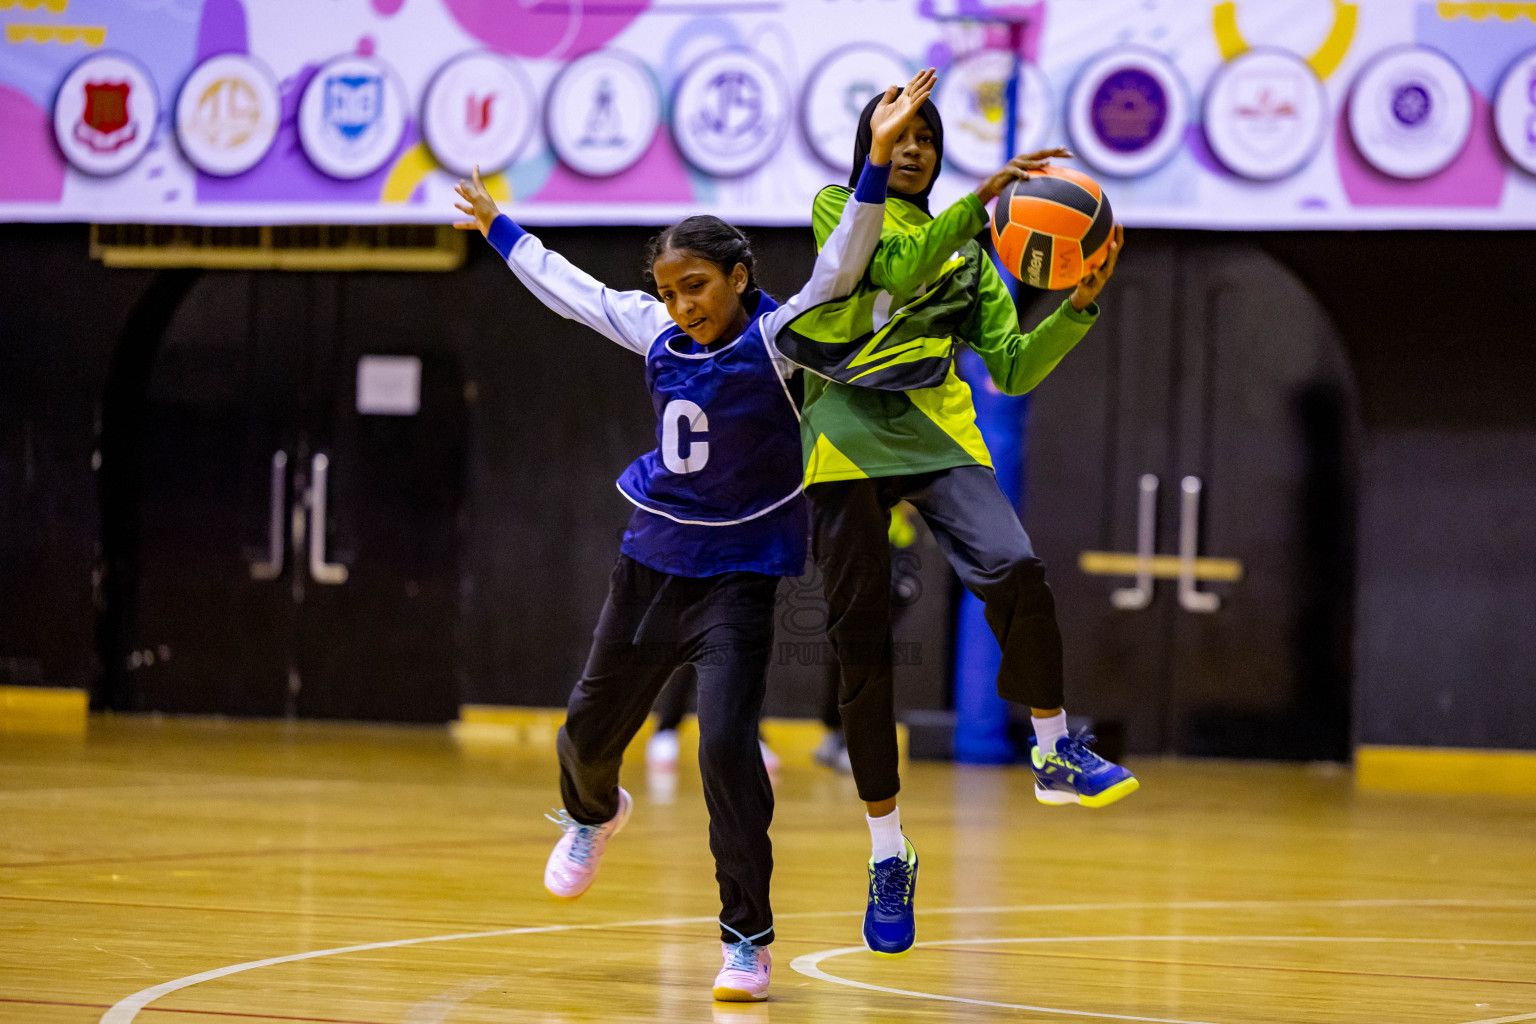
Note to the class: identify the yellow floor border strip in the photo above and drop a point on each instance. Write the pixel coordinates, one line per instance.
(43, 709)
(1446, 770)
(487, 727)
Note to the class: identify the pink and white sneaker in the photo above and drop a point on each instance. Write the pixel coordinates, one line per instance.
(744, 978)
(573, 863)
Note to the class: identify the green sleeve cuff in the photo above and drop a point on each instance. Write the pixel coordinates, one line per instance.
(1087, 316)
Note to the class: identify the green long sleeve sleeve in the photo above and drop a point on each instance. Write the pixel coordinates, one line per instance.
(905, 260)
(1017, 361)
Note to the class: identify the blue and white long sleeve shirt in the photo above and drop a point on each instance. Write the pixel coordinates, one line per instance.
(721, 492)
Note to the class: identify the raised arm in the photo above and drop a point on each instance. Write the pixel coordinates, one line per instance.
(1017, 361)
(841, 263)
(844, 255)
(904, 263)
(629, 318)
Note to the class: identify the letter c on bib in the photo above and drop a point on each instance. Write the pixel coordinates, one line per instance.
(677, 410)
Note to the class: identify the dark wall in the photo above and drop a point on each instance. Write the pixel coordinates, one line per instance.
(60, 315)
(1437, 326)
(1439, 329)
(554, 413)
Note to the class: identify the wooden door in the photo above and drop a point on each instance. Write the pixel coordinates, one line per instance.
(298, 556)
(1098, 424)
(1210, 409)
(378, 636)
(212, 630)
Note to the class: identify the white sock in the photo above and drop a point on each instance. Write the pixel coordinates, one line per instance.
(885, 834)
(1049, 730)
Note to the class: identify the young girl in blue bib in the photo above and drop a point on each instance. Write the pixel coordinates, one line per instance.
(718, 519)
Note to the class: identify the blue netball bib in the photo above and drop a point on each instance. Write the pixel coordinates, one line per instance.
(727, 435)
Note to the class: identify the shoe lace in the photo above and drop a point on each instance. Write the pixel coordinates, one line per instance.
(584, 835)
(891, 884)
(742, 957)
(1074, 749)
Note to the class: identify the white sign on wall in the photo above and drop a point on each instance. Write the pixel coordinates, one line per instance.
(389, 385)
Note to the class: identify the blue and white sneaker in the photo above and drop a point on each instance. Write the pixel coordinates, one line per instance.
(890, 927)
(1074, 774)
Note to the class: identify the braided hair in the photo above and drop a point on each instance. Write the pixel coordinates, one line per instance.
(708, 238)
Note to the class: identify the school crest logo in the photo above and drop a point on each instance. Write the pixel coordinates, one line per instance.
(1128, 111)
(1410, 112)
(105, 126)
(835, 95)
(227, 114)
(352, 117)
(972, 98)
(104, 114)
(1514, 112)
(729, 113)
(479, 110)
(602, 113)
(1265, 114)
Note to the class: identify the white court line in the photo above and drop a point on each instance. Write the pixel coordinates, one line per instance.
(126, 1009)
(809, 965)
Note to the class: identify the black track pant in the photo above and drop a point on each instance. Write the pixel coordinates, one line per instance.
(651, 624)
(980, 534)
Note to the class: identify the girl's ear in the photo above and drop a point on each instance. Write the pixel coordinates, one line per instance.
(739, 278)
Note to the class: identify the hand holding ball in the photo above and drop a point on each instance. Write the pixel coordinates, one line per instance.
(1053, 227)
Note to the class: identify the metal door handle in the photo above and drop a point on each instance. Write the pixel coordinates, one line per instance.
(319, 568)
(1138, 597)
(272, 568)
(1190, 599)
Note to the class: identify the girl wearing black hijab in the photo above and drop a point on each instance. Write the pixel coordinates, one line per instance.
(886, 419)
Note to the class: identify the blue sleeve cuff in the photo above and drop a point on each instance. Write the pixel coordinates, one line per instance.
(504, 234)
(872, 181)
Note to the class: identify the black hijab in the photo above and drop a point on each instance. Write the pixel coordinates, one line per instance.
(866, 135)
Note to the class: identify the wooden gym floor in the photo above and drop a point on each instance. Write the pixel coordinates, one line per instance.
(180, 871)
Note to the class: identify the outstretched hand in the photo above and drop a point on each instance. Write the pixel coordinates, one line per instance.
(894, 112)
(1093, 282)
(477, 203)
(1015, 169)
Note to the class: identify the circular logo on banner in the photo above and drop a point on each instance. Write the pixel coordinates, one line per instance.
(835, 95)
(1410, 112)
(227, 114)
(973, 98)
(352, 116)
(1514, 112)
(1265, 113)
(1128, 112)
(478, 111)
(602, 112)
(104, 114)
(729, 113)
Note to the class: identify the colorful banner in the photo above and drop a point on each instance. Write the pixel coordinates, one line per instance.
(1239, 114)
